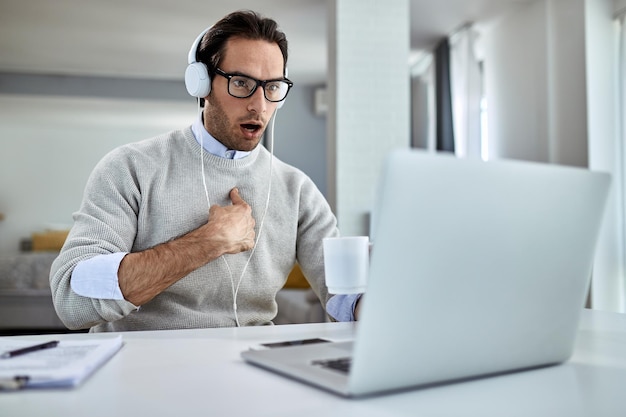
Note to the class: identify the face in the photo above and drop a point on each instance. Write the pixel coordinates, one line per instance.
(239, 123)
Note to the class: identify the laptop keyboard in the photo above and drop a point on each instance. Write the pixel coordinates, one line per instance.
(339, 364)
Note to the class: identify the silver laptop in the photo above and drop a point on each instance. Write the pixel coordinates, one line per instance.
(477, 268)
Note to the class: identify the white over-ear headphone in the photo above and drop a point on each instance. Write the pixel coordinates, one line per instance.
(197, 79)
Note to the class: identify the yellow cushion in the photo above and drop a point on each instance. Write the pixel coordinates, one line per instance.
(52, 240)
(296, 279)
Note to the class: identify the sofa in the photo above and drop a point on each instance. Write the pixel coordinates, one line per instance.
(26, 299)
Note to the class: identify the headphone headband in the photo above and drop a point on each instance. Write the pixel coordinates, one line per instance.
(191, 58)
(197, 79)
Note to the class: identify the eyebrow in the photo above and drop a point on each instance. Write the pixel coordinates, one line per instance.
(250, 76)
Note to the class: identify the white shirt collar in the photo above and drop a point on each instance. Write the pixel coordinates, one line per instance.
(211, 144)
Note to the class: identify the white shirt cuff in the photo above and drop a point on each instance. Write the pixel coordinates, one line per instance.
(97, 277)
(341, 306)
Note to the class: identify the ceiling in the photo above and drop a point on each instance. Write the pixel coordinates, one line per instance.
(151, 38)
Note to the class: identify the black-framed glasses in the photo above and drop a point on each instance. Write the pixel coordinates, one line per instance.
(242, 86)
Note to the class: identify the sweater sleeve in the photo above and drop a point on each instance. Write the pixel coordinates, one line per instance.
(316, 222)
(106, 223)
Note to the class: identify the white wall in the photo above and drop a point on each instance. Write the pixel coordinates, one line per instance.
(50, 144)
(516, 84)
(605, 151)
(369, 101)
(567, 72)
(300, 135)
(550, 86)
(535, 83)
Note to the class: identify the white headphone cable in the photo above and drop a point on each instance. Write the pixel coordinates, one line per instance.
(235, 290)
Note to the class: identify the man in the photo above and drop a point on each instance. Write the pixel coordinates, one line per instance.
(199, 227)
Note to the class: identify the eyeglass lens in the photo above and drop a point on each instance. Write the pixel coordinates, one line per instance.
(241, 86)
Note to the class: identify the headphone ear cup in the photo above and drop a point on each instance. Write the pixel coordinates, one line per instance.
(197, 80)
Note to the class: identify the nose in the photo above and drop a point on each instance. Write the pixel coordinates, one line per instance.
(257, 102)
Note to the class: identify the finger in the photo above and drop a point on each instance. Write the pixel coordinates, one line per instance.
(235, 198)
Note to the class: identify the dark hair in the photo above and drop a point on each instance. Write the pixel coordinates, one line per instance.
(245, 24)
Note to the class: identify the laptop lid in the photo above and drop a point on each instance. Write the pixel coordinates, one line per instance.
(477, 268)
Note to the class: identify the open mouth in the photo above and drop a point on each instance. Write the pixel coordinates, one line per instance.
(251, 127)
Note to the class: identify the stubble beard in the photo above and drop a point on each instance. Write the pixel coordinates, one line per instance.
(221, 128)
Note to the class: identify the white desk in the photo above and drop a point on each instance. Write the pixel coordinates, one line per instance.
(200, 373)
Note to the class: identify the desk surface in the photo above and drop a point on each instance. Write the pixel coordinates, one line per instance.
(200, 372)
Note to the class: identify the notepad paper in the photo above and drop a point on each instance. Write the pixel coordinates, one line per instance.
(66, 365)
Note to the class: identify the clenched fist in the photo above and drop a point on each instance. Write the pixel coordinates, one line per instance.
(232, 226)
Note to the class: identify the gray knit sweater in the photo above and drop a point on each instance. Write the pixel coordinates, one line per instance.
(146, 193)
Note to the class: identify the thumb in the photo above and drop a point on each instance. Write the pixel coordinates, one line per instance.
(235, 198)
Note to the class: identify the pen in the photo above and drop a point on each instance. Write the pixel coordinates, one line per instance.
(29, 349)
(14, 383)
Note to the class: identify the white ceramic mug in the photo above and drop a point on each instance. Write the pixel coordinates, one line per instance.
(346, 264)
